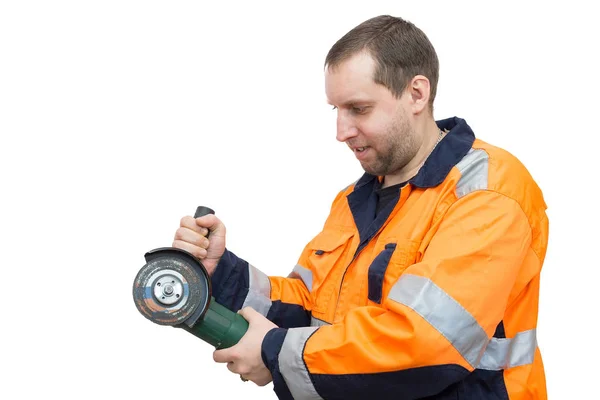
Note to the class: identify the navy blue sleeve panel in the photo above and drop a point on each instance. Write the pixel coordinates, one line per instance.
(230, 281)
(271, 346)
(286, 315)
(481, 385)
(415, 383)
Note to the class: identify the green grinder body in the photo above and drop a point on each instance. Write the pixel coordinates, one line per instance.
(219, 326)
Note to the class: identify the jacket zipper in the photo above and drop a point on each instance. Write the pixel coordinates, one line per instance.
(359, 250)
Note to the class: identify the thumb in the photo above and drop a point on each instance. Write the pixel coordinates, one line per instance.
(250, 314)
(223, 355)
(210, 221)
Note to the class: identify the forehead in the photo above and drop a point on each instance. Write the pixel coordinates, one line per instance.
(352, 79)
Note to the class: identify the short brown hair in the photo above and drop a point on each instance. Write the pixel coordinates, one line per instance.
(400, 50)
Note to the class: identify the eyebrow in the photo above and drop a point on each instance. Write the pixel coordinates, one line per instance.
(353, 102)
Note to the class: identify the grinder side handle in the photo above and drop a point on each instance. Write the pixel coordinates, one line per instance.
(219, 326)
(202, 211)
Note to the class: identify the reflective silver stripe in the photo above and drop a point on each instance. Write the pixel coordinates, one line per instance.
(510, 352)
(317, 322)
(259, 292)
(292, 367)
(474, 170)
(303, 273)
(443, 313)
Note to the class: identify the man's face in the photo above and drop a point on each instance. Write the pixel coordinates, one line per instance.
(370, 120)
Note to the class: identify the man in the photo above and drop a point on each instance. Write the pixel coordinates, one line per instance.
(424, 280)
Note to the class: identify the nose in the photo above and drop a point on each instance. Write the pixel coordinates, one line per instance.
(345, 127)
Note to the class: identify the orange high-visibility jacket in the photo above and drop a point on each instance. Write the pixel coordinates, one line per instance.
(434, 297)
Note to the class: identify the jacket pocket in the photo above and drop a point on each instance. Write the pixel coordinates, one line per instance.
(326, 261)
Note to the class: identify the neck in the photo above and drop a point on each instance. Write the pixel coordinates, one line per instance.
(431, 135)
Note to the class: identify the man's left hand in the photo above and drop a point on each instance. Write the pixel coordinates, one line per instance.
(245, 357)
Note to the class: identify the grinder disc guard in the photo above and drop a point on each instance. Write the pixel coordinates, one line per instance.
(172, 288)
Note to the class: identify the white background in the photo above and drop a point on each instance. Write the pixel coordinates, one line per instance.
(117, 118)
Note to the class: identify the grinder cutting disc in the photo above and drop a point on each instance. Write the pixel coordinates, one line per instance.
(171, 288)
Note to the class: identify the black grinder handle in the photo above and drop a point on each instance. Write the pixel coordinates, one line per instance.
(202, 211)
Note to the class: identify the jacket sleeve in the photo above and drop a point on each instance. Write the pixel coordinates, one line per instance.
(237, 284)
(434, 324)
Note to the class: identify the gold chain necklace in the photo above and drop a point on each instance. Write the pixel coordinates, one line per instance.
(434, 146)
(438, 141)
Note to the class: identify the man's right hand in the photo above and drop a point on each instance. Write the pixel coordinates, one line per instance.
(191, 236)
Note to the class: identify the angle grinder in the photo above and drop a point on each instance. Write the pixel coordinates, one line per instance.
(173, 288)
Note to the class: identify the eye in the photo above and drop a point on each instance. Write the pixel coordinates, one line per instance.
(359, 110)
(334, 108)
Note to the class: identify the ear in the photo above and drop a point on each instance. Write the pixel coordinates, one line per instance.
(419, 90)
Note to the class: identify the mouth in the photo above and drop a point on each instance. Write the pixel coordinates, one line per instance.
(360, 152)
(357, 149)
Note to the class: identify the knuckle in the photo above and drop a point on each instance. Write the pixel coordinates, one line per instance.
(235, 355)
(198, 252)
(179, 233)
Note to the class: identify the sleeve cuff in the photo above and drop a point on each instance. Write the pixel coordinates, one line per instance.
(230, 281)
(271, 346)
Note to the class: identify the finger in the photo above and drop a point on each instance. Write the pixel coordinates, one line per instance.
(209, 221)
(231, 367)
(190, 248)
(190, 223)
(237, 369)
(191, 237)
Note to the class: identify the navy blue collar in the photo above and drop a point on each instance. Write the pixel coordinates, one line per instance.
(451, 149)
